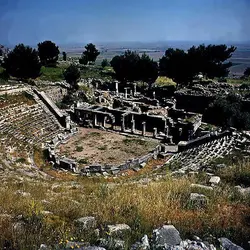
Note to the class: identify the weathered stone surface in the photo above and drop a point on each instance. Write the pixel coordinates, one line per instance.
(202, 187)
(166, 235)
(86, 223)
(214, 180)
(112, 243)
(142, 165)
(74, 244)
(24, 194)
(118, 230)
(91, 248)
(198, 200)
(243, 191)
(226, 244)
(43, 247)
(142, 245)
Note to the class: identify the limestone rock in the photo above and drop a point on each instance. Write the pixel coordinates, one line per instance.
(73, 244)
(24, 194)
(142, 165)
(198, 200)
(226, 244)
(142, 245)
(243, 191)
(86, 223)
(202, 187)
(166, 235)
(214, 180)
(112, 243)
(118, 230)
(43, 247)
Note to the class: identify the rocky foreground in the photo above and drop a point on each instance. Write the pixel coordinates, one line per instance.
(166, 237)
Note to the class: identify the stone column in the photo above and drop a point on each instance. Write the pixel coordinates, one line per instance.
(155, 132)
(133, 126)
(95, 120)
(143, 128)
(104, 121)
(122, 124)
(116, 88)
(166, 130)
(126, 93)
(67, 121)
(131, 92)
(134, 89)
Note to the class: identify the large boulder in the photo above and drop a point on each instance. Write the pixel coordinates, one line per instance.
(226, 244)
(165, 236)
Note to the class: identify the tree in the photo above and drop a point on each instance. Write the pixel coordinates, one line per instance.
(247, 72)
(183, 66)
(90, 53)
(147, 69)
(83, 60)
(210, 60)
(132, 67)
(227, 111)
(72, 76)
(22, 62)
(105, 63)
(64, 56)
(175, 64)
(48, 53)
(126, 66)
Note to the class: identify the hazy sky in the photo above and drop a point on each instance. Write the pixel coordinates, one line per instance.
(82, 21)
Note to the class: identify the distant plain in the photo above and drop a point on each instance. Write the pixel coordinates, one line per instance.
(240, 58)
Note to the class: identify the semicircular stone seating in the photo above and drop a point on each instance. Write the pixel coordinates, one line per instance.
(197, 157)
(26, 124)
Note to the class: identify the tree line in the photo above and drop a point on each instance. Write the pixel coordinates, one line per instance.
(25, 62)
(182, 66)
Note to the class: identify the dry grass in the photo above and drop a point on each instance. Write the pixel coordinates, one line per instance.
(143, 207)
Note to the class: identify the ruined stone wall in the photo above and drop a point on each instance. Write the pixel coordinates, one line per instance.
(129, 164)
(184, 145)
(56, 94)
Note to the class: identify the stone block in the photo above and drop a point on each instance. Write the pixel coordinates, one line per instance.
(214, 180)
(228, 245)
(86, 223)
(166, 235)
(119, 230)
(198, 200)
(201, 187)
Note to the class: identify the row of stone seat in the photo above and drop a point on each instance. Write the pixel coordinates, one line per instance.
(27, 123)
(199, 156)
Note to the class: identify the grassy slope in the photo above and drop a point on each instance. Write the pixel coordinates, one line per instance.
(52, 74)
(143, 207)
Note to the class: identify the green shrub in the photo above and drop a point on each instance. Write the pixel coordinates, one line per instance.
(79, 148)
